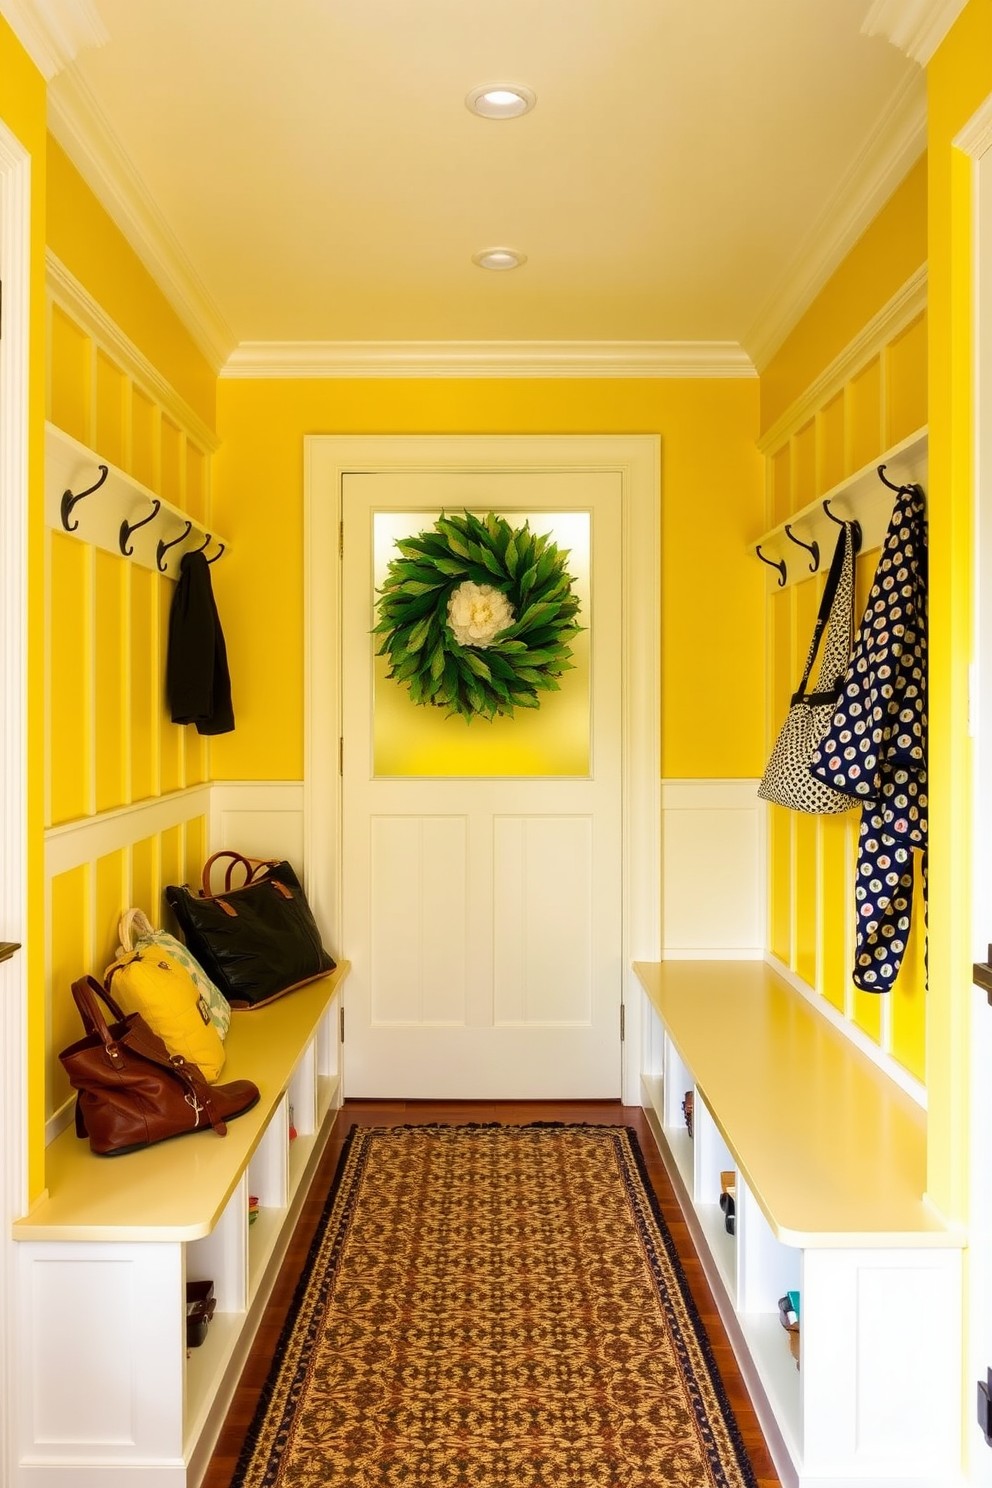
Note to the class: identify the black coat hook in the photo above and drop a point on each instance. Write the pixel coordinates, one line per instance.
(886, 482)
(164, 547)
(217, 554)
(203, 546)
(813, 547)
(783, 572)
(855, 526)
(69, 500)
(128, 527)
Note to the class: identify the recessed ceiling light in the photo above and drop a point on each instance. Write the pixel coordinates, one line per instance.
(501, 101)
(499, 258)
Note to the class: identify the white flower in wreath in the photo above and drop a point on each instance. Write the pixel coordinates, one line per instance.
(477, 613)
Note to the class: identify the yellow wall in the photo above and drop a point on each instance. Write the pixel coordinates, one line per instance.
(959, 80)
(110, 744)
(877, 266)
(82, 235)
(711, 621)
(23, 110)
(810, 445)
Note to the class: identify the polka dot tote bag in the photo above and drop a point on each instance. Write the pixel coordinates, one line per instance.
(787, 780)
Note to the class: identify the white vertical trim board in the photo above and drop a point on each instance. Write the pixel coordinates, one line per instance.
(637, 458)
(975, 139)
(15, 199)
(713, 870)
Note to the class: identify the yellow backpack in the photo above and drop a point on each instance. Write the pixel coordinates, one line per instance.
(150, 982)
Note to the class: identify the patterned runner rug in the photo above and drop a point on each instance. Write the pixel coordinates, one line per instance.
(493, 1307)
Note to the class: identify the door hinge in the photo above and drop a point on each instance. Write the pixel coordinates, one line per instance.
(341, 755)
(342, 1025)
(623, 1022)
(341, 539)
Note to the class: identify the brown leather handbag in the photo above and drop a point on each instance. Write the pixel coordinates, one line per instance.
(131, 1091)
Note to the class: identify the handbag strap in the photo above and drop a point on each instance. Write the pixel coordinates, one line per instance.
(86, 995)
(138, 1037)
(254, 869)
(134, 925)
(842, 560)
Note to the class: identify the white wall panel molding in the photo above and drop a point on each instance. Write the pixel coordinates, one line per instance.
(85, 134)
(904, 306)
(489, 359)
(262, 819)
(54, 32)
(67, 292)
(91, 837)
(713, 870)
(976, 136)
(916, 27)
(882, 163)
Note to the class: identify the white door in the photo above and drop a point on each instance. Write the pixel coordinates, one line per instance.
(482, 901)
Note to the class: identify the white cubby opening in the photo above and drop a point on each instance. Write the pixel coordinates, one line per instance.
(767, 1268)
(677, 1083)
(712, 1157)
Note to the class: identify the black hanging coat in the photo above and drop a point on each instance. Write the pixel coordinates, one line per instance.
(875, 749)
(198, 683)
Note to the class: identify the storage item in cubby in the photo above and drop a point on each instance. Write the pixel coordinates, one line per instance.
(687, 1105)
(252, 1208)
(788, 1311)
(256, 941)
(200, 1307)
(728, 1200)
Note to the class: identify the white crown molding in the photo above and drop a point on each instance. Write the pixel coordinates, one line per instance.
(976, 136)
(916, 27)
(489, 359)
(53, 32)
(904, 306)
(883, 162)
(66, 291)
(80, 127)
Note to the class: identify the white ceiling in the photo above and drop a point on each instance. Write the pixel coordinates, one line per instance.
(306, 170)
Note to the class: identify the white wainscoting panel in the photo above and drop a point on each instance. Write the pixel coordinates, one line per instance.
(92, 1317)
(419, 906)
(542, 919)
(713, 870)
(261, 819)
(885, 1415)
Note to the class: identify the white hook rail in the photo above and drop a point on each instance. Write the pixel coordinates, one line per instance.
(862, 498)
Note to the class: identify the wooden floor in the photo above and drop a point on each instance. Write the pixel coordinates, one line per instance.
(397, 1113)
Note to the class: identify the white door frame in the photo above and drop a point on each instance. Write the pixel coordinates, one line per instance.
(636, 458)
(15, 216)
(976, 141)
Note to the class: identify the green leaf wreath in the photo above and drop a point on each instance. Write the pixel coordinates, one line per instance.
(476, 616)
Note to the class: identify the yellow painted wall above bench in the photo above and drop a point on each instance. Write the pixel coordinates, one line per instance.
(828, 409)
(711, 505)
(125, 378)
